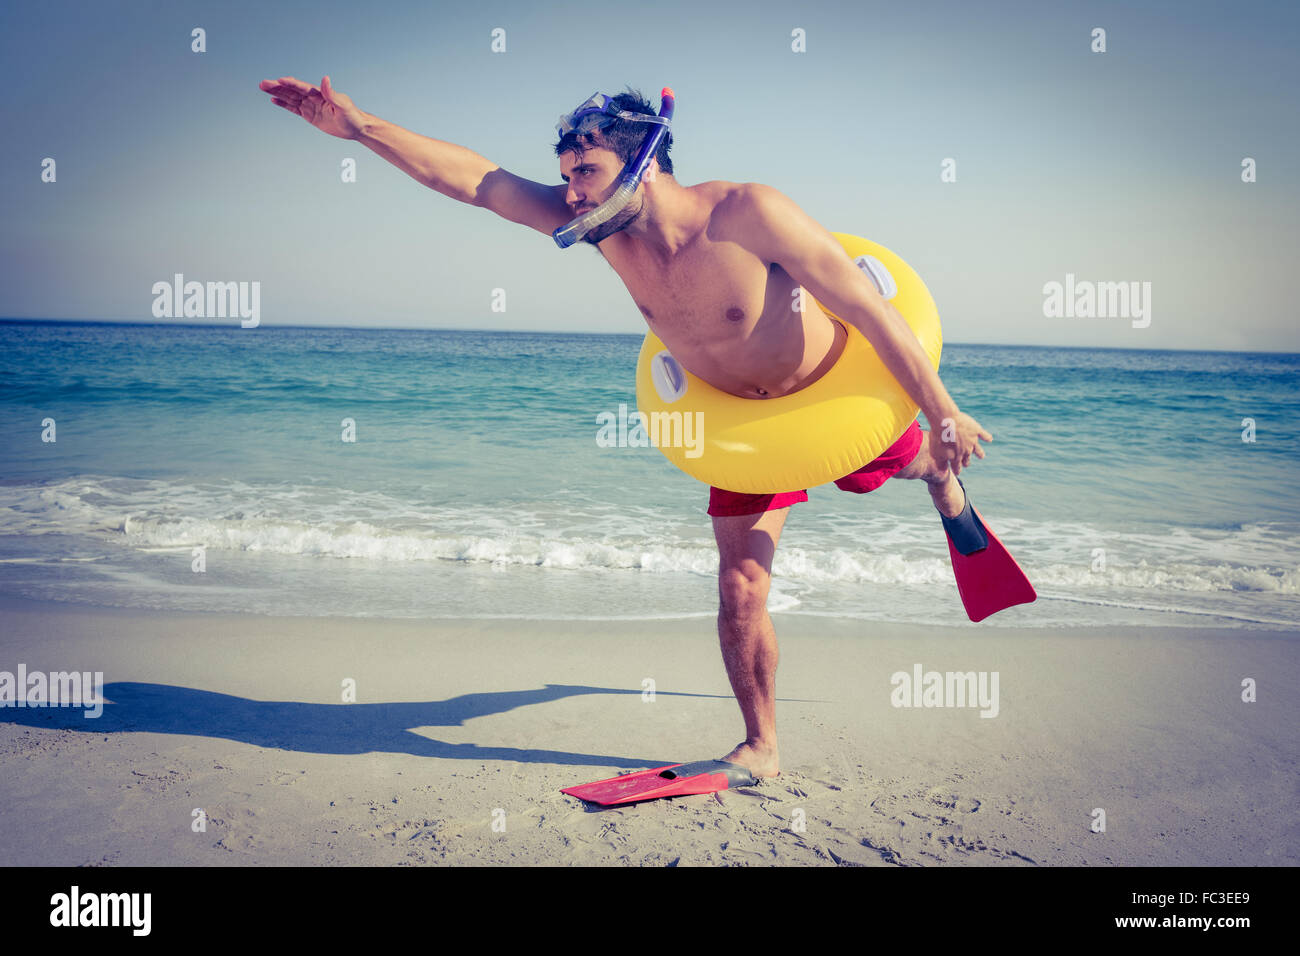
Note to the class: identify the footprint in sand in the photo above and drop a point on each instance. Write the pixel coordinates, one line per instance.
(953, 801)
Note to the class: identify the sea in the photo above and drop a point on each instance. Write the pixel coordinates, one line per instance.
(458, 474)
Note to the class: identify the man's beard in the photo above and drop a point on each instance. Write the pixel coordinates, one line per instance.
(622, 219)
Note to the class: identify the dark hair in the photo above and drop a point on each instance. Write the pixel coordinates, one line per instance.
(623, 137)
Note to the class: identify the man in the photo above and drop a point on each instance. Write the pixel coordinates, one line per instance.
(712, 268)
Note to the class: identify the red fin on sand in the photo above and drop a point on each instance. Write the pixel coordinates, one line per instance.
(674, 780)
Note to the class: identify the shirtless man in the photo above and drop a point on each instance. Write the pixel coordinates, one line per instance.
(712, 267)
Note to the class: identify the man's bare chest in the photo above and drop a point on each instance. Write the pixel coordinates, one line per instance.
(715, 292)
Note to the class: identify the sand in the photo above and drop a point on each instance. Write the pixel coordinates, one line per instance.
(463, 733)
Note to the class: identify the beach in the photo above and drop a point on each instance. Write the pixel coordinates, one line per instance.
(338, 527)
(398, 649)
(462, 734)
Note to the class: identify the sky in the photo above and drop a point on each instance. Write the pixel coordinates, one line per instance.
(1115, 166)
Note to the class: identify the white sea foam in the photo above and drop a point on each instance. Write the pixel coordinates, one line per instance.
(160, 516)
(823, 562)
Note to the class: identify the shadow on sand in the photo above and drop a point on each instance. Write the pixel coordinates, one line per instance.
(320, 728)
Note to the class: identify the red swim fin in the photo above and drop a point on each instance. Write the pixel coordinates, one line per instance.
(674, 780)
(988, 578)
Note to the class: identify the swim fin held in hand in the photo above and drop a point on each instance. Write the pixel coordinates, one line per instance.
(674, 780)
(988, 578)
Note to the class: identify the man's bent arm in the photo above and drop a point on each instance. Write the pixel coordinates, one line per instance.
(776, 229)
(898, 347)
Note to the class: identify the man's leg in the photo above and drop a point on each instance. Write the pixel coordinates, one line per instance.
(909, 457)
(746, 544)
(944, 491)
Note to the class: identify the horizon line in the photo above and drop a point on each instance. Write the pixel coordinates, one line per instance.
(13, 320)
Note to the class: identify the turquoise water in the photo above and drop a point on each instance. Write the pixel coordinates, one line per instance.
(476, 487)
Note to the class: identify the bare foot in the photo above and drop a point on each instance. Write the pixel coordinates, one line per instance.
(762, 760)
(948, 498)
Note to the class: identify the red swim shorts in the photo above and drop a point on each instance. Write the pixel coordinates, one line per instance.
(730, 504)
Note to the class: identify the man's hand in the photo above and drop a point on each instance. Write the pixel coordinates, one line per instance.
(324, 107)
(955, 439)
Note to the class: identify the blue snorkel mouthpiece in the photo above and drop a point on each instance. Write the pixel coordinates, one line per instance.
(596, 112)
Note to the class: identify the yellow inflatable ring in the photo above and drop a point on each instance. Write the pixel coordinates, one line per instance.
(815, 435)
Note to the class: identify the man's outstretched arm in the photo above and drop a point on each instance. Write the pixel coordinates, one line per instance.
(454, 171)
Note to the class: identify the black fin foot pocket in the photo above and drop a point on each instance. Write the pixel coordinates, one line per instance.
(966, 531)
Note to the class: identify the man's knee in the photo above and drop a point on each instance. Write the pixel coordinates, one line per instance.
(742, 589)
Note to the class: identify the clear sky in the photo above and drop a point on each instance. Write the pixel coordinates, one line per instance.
(1122, 166)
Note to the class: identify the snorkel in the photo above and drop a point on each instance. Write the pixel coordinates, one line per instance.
(596, 112)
